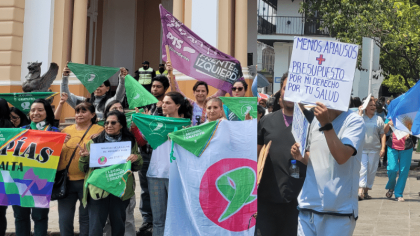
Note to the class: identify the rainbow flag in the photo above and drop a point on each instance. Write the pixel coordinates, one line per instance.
(28, 163)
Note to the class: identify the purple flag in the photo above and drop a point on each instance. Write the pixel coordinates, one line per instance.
(196, 58)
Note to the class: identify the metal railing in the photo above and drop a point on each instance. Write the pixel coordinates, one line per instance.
(291, 25)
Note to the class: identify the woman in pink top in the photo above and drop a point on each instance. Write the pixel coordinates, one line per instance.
(399, 159)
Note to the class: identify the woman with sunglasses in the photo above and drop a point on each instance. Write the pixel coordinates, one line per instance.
(18, 118)
(85, 119)
(42, 118)
(101, 97)
(176, 106)
(4, 123)
(201, 91)
(99, 208)
(239, 89)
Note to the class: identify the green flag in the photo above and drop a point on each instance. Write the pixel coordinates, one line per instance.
(112, 179)
(240, 106)
(92, 76)
(23, 101)
(137, 95)
(127, 117)
(195, 139)
(156, 128)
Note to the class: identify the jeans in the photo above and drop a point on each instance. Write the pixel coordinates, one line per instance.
(67, 207)
(3, 220)
(145, 208)
(99, 210)
(398, 161)
(159, 202)
(312, 224)
(23, 221)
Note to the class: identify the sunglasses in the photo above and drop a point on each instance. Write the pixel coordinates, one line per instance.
(237, 88)
(14, 117)
(111, 122)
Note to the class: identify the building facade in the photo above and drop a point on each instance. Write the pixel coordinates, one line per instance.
(116, 33)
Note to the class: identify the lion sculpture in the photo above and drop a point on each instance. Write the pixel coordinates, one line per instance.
(37, 83)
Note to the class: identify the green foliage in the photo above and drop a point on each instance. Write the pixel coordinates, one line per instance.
(394, 25)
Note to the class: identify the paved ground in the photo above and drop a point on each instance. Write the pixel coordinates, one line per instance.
(377, 216)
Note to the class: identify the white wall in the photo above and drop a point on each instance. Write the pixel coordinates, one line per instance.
(288, 8)
(119, 35)
(37, 35)
(252, 29)
(281, 62)
(204, 20)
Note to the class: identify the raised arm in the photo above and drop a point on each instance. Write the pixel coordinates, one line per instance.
(173, 82)
(119, 94)
(57, 112)
(338, 149)
(72, 99)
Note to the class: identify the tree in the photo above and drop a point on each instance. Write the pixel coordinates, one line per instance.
(394, 25)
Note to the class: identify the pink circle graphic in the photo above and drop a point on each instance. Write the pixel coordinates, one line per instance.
(215, 204)
(102, 160)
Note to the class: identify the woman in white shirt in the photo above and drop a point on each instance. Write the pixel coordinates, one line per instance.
(373, 149)
(176, 106)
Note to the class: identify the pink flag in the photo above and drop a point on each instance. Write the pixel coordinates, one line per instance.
(196, 58)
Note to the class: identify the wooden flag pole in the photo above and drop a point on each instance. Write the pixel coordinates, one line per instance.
(168, 59)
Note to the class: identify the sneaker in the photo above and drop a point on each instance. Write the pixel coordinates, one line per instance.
(145, 229)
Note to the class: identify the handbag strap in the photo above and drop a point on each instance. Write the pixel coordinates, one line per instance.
(72, 155)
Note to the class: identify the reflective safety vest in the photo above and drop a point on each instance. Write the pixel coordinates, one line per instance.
(164, 73)
(145, 76)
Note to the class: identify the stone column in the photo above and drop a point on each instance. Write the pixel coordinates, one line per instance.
(241, 31)
(11, 42)
(78, 48)
(225, 27)
(178, 8)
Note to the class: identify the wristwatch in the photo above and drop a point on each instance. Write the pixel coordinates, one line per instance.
(326, 127)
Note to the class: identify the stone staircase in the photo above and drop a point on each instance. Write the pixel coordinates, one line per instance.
(67, 121)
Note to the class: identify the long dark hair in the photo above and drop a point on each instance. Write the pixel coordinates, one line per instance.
(101, 105)
(276, 105)
(126, 135)
(23, 118)
(108, 107)
(5, 114)
(86, 106)
(48, 109)
(185, 108)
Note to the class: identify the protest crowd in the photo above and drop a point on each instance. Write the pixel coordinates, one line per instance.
(262, 165)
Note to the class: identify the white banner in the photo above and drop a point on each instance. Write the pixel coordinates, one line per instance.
(300, 128)
(108, 154)
(321, 71)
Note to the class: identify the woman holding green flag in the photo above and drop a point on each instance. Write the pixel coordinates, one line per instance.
(101, 204)
(42, 118)
(176, 106)
(100, 98)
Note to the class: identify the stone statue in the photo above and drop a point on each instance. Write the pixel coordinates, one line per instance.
(34, 82)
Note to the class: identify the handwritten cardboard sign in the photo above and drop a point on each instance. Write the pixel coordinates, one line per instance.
(321, 71)
(108, 154)
(300, 128)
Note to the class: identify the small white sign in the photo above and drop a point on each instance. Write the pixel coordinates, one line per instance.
(321, 71)
(366, 102)
(300, 128)
(108, 154)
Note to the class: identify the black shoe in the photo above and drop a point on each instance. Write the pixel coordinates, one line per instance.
(145, 229)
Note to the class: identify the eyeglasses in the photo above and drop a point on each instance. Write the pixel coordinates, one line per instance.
(237, 88)
(111, 122)
(14, 117)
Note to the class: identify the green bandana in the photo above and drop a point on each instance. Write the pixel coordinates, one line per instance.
(137, 95)
(240, 106)
(112, 179)
(23, 101)
(92, 76)
(39, 125)
(195, 139)
(156, 128)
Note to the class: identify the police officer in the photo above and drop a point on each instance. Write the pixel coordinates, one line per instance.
(162, 70)
(146, 74)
